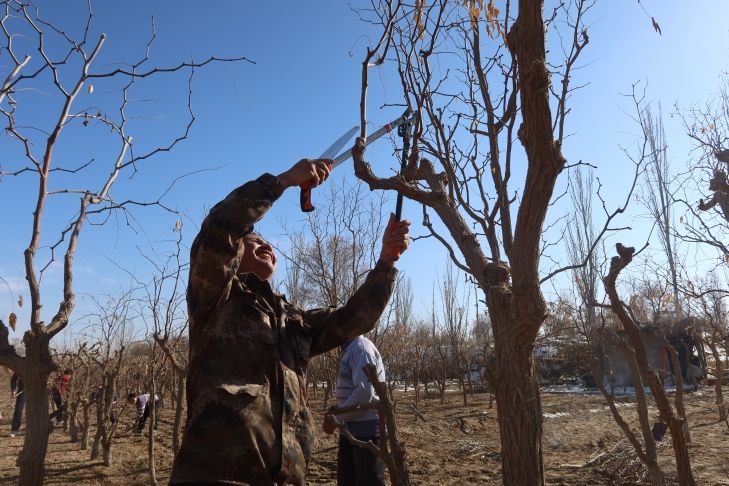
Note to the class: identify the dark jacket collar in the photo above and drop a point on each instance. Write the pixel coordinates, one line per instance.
(260, 288)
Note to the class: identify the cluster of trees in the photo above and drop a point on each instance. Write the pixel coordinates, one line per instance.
(506, 115)
(508, 107)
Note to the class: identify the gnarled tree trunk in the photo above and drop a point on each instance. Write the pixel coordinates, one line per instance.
(73, 421)
(674, 421)
(85, 426)
(38, 367)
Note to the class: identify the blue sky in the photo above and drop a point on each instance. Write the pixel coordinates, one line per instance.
(300, 95)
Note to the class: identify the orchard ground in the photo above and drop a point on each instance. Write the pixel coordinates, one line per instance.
(455, 445)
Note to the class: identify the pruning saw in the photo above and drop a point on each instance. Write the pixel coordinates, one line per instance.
(306, 187)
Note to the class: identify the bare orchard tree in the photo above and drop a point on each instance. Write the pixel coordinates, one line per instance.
(176, 351)
(454, 326)
(85, 400)
(439, 358)
(79, 390)
(415, 357)
(39, 56)
(163, 303)
(393, 339)
(711, 306)
(113, 317)
(498, 102)
(646, 451)
(674, 419)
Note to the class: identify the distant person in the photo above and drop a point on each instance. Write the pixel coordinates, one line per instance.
(141, 402)
(16, 390)
(694, 373)
(58, 393)
(357, 466)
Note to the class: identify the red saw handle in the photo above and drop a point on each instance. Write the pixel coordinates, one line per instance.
(305, 196)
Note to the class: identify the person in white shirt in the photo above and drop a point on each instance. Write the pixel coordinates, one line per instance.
(357, 466)
(141, 402)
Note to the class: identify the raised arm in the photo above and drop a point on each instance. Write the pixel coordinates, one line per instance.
(332, 327)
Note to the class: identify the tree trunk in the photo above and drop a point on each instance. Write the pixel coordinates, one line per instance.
(85, 405)
(655, 474)
(65, 413)
(392, 451)
(38, 366)
(721, 406)
(470, 381)
(179, 407)
(73, 421)
(675, 424)
(327, 392)
(106, 449)
(462, 383)
(417, 387)
(520, 415)
(152, 421)
(101, 432)
(98, 436)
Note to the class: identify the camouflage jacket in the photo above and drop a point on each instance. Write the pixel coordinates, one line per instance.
(247, 417)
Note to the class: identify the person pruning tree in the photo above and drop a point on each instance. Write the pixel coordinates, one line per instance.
(248, 422)
(142, 403)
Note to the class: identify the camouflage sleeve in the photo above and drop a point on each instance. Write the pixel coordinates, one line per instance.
(216, 251)
(332, 327)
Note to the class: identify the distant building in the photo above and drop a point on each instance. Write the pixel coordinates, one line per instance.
(657, 337)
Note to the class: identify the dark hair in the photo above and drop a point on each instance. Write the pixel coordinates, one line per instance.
(131, 395)
(67, 371)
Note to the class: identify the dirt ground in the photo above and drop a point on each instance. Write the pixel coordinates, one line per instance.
(457, 445)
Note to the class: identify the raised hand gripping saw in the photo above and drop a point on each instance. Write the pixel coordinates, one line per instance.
(305, 198)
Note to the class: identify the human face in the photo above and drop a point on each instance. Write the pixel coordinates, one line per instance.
(258, 257)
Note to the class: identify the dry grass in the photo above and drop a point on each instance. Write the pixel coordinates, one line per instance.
(456, 446)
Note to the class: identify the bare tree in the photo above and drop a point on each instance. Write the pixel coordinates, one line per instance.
(415, 356)
(712, 311)
(113, 317)
(37, 53)
(659, 197)
(647, 451)
(581, 240)
(454, 327)
(472, 113)
(78, 389)
(707, 126)
(674, 419)
(393, 341)
(163, 303)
